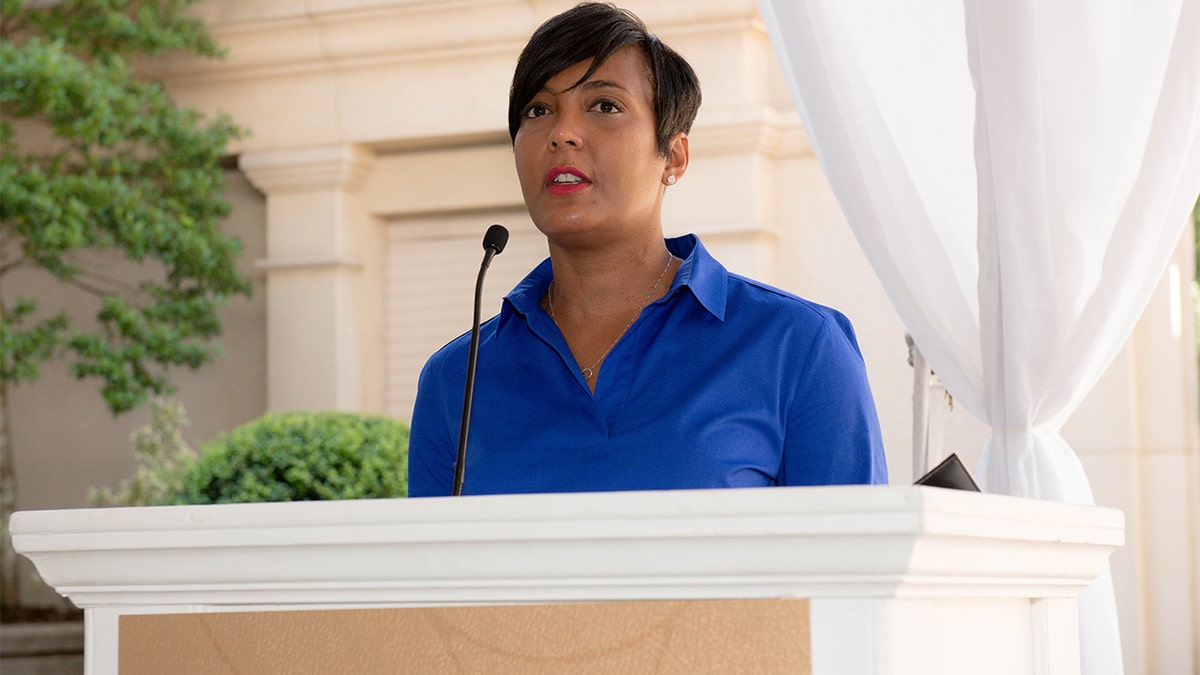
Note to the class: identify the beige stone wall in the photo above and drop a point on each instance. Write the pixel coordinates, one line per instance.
(381, 156)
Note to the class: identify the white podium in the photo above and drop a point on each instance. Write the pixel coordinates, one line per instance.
(830, 581)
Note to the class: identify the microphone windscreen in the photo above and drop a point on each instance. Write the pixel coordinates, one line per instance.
(496, 238)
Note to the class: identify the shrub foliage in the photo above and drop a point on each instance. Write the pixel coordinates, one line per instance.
(300, 457)
(276, 458)
(162, 454)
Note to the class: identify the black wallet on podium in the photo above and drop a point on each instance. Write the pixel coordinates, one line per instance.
(949, 474)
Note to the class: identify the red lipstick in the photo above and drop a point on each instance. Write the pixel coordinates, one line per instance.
(564, 180)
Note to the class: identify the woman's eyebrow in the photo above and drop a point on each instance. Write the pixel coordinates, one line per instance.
(586, 85)
(601, 84)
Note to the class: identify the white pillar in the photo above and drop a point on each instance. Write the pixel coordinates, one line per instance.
(1164, 348)
(323, 267)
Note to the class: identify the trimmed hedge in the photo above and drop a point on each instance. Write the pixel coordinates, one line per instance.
(299, 457)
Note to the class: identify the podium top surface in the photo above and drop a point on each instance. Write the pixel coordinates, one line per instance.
(864, 541)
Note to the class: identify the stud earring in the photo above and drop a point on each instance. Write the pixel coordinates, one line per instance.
(670, 180)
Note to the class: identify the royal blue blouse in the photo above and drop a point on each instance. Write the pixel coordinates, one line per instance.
(723, 382)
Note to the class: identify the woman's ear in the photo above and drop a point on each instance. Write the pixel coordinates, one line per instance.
(677, 159)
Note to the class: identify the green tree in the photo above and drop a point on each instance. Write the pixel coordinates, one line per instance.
(96, 159)
(1196, 236)
(1196, 271)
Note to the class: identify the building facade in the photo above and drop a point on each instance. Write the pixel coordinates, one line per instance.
(378, 157)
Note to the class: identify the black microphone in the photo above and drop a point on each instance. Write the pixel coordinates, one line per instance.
(493, 244)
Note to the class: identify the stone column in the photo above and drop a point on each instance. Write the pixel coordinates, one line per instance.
(323, 266)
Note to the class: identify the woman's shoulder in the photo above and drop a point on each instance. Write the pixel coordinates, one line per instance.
(778, 314)
(455, 351)
(746, 294)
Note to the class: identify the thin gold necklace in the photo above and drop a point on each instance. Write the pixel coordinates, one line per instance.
(590, 371)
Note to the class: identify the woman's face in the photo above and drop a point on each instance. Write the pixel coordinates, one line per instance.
(588, 158)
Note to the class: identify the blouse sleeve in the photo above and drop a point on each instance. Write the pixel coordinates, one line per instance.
(832, 435)
(432, 449)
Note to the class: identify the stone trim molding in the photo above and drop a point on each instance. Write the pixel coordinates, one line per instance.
(275, 39)
(307, 263)
(754, 129)
(342, 167)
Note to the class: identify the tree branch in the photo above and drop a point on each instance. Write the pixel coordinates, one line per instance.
(13, 25)
(117, 285)
(87, 288)
(9, 267)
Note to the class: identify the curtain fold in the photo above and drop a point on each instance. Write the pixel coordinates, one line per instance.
(1017, 174)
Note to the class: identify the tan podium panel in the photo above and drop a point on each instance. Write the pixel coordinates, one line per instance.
(689, 636)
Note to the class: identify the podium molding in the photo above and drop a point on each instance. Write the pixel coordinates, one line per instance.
(890, 572)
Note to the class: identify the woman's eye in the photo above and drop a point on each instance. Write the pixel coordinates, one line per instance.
(607, 107)
(536, 110)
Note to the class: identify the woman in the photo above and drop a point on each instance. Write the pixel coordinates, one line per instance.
(626, 361)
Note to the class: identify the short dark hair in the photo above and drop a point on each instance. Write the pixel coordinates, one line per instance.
(594, 30)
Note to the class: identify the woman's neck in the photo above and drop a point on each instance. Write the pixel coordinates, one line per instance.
(598, 284)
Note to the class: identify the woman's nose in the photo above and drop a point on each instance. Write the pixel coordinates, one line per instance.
(565, 132)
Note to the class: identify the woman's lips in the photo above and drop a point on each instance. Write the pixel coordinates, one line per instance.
(563, 180)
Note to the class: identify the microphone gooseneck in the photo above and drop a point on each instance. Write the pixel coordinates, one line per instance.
(493, 244)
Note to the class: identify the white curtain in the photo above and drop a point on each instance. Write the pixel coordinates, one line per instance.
(1017, 172)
